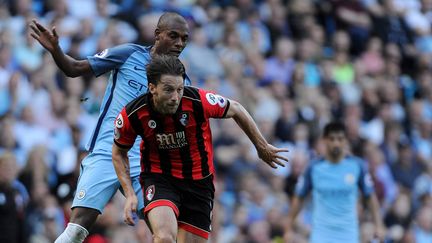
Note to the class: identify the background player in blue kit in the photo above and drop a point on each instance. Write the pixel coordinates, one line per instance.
(98, 181)
(334, 182)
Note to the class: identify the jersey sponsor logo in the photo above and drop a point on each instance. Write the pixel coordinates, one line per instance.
(102, 54)
(171, 140)
(152, 124)
(184, 118)
(138, 68)
(139, 87)
(211, 98)
(150, 192)
(214, 99)
(349, 179)
(119, 121)
(81, 194)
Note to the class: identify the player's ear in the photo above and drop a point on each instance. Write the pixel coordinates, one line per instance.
(157, 33)
(152, 88)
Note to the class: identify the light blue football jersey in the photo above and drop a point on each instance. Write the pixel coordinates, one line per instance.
(127, 64)
(335, 189)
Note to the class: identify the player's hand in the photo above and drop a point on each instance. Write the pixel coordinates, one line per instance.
(271, 156)
(380, 233)
(48, 39)
(288, 236)
(130, 209)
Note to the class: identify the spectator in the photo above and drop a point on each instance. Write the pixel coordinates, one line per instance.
(13, 201)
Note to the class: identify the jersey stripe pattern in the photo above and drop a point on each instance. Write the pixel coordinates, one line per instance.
(179, 145)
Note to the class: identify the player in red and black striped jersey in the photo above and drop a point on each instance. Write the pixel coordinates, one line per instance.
(177, 152)
(179, 144)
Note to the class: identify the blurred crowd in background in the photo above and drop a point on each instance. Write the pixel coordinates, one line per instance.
(294, 64)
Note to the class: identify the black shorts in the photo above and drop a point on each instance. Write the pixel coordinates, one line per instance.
(191, 200)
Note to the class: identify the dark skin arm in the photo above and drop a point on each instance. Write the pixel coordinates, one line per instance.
(267, 152)
(121, 165)
(50, 41)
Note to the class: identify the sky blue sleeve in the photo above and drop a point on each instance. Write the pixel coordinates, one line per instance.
(365, 182)
(188, 81)
(110, 59)
(304, 183)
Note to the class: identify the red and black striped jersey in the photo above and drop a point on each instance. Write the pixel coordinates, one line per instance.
(179, 145)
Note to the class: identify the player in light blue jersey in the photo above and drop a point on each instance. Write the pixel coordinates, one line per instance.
(126, 63)
(335, 182)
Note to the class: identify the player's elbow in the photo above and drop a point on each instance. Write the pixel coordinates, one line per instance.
(235, 109)
(116, 153)
(78, 68)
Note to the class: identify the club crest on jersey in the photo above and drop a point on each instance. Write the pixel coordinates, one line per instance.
(150, 192)
(81, 194)
(152, 124)
(102, 53)
(184, 118)
(349, 179)
(119, 121)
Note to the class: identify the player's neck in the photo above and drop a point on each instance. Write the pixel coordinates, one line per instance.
(335, 160)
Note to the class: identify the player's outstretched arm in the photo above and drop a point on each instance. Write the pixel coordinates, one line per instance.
(267, 152)
(50, 41)
(121, 164)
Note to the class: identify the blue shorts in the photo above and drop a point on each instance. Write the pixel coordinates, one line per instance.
(98, 182)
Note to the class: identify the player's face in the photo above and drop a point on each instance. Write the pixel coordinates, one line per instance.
(167, 94)
(335, 143)
(173, 39)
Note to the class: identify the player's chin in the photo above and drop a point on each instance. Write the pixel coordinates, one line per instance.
(171, 110)
(174, 53)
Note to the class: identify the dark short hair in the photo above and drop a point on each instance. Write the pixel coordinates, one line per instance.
(164, 65)
(334, 127)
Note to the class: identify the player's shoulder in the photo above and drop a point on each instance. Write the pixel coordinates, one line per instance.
(128, 49)
(355, 159)
(316, 162)
(138, 103)
(351, 159)
(135, 47)
(191, 92)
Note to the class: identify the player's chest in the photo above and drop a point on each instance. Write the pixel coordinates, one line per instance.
(169, 126)
(132, 81)
(335, 183)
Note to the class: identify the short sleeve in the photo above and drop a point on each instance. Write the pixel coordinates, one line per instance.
(304, 183)
(124, 134)
(110, 59)
(214, 105)
(365, 182)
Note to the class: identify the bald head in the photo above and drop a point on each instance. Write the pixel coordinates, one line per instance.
(171, 34)
(170, 18)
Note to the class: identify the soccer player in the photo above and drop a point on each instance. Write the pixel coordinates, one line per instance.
(98, 182)
(334, 182)
(177, 168)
